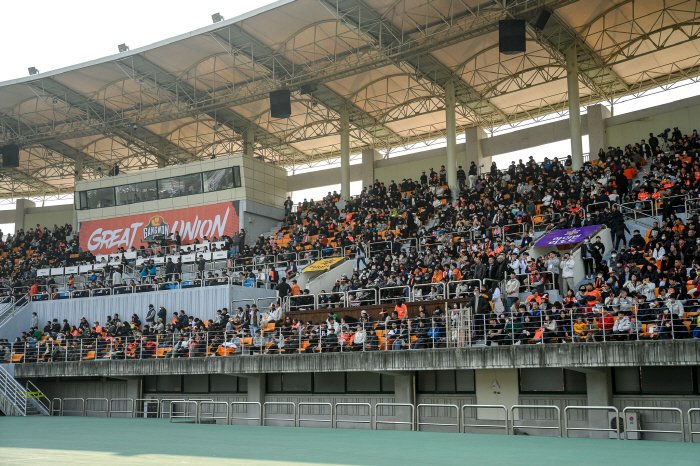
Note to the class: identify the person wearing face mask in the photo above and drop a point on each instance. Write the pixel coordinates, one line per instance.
(674, 307)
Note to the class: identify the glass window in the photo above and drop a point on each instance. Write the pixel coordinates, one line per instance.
(236, 177)
(184, 185)
(98, 198)
(137, 192)
(216, 180)
(81, 201)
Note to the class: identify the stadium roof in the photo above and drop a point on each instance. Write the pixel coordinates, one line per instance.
(206, 92)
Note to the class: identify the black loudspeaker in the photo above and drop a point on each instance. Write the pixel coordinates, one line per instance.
(10, 156)
(511, 36)
(280, 104)
(540, 19)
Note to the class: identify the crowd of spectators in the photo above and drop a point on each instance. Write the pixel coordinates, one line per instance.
(417, 238)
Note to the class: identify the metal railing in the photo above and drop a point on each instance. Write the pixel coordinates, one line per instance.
(336, 415)
(410, 422)
(691, 432)
(536, 407)
(592, 429)
(104, 411)
(448, 407)
(185, 413)
(246, 403)
(206, 416)
(305, 403)
(484, 426)
(129, 402)
(13, 391)
(64, 401)
(680, 432)
(293, 420)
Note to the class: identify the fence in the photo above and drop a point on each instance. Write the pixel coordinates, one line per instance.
(381, 413)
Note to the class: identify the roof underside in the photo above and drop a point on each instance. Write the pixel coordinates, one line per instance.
(387, 61)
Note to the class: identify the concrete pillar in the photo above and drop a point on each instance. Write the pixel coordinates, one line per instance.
(451, 134)
(21, 207)
(257, 388)
(404, 392)
(134, 387)
(599, 393)
(597, 114)
(369, 156)
(249, 142)
(574, 108)
(344, 154)
(474, 153)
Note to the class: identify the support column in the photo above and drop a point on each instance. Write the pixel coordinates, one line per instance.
(344, 154)
(451, 134)
(257, 388)
(249, 142)
(404, 392)
(574, 108)
(21, 207)
(599, 393)
(474, 153)
(597, 114)
(369, 156)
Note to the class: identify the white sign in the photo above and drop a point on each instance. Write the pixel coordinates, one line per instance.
(85, 268)
(187, 258)
(56, 270)
(43, 272)
(73, 269)
(219, 255)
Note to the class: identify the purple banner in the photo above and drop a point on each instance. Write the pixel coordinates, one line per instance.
(568, 236)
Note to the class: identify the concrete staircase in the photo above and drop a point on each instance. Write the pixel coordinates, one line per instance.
(15, 400)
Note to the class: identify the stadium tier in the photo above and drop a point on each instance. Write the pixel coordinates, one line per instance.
(439, 288)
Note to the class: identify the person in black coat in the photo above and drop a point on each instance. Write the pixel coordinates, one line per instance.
(283, 289)
(169, 270)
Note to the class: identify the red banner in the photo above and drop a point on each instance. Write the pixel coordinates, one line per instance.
(106, 236)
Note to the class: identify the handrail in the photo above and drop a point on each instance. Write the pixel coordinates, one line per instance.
(13, 391)
(557, 427)
(81, 410)
(213, 416)
(643, 408)
(245, 403)
(692, 433)
(87, 404)
(593, 429)
(335, 414)
(54, 410)
(184, 414)
(304, 403)
(432, 405)
(112, 411)
(484, 426)
(395, 405)
(279, 403)
(161, 404)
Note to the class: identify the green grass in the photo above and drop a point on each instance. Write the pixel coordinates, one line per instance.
(100, 441)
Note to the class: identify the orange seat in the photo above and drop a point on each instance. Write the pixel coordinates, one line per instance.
(17, 357)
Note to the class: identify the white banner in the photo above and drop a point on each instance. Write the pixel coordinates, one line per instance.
(85, 268)
(187, 258)
(219, 255)
(70, 270)
(56, 270)
(43, 272)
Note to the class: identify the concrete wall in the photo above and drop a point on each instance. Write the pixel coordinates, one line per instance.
(26, 215)
(591, 355)
(634, 126)
(257, 219)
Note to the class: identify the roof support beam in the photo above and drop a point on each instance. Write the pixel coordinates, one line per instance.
(52, 89)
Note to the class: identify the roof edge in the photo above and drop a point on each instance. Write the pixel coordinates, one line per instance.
(146, 48)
